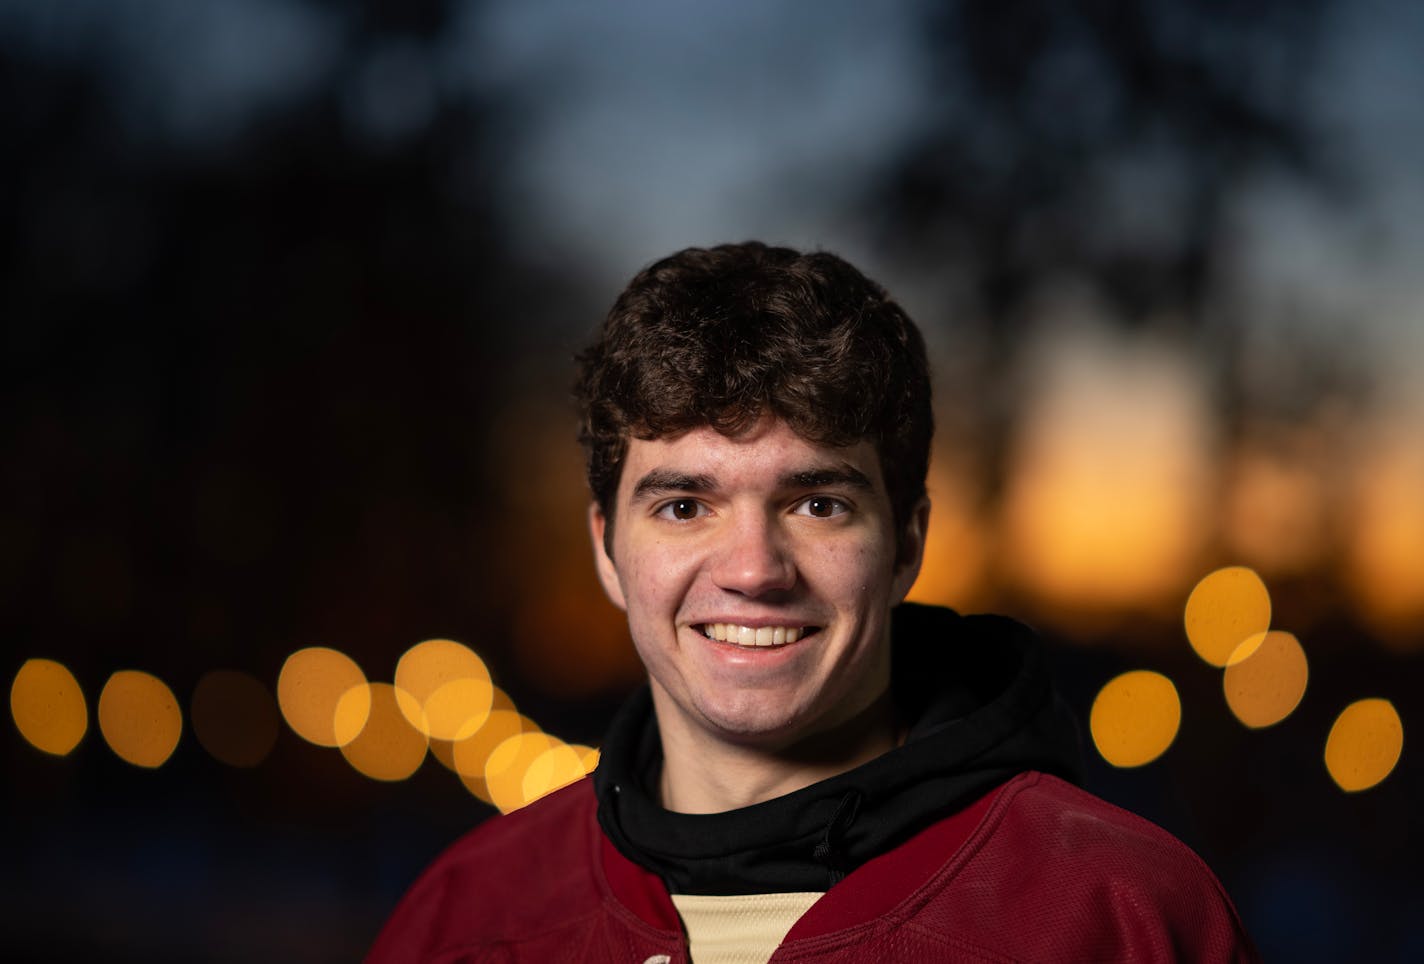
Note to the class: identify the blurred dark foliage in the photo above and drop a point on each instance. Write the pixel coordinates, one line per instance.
(1050, 102)
(245, 391)
(246, 396)
(1108, 143)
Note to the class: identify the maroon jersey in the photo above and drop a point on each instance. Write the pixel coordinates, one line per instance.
(1036, 870)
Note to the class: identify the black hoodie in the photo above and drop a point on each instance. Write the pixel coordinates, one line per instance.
(980, 707)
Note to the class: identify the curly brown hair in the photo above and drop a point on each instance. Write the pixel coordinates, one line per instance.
(719, 336)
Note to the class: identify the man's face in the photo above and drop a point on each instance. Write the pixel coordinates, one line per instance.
(758, 573)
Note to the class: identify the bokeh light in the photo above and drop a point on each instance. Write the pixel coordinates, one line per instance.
(473, 753)
(450, 687)
(508, 764)
(48, 706)
(1364, 744)
(234, 717)
(444, 750)
(1227, 608)
(1266, 686)
(387, 747)
(1135, 717)
(309, 687)
(139, 718)
(558, 766)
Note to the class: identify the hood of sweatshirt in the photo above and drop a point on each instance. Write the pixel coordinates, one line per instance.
(980, 708)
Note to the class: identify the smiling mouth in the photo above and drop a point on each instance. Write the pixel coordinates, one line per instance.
(756, 637)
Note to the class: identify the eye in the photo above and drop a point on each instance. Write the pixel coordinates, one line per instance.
(821, 507)
(681, 510)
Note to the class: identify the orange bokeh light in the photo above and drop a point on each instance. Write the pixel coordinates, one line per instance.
(1267, 685)
(1227, 607)
(1135, 717)
(450, 688)
(1364, 744)
(387, 747)
(309, 687)
(139, 718)
(508, 764)
(444, 750)
(558, 766)
(48, 706)
(234, 717)
(472, 754)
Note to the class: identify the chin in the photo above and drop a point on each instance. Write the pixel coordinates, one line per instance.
(755, 725)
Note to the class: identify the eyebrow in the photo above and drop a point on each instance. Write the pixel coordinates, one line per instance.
(660, 481)
(663, 481)
(818, 478)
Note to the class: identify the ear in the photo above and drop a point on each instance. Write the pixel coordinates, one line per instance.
(607, 572)
(912, 549)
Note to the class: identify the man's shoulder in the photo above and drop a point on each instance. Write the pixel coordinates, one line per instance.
(503, 880)
(551, 828)
(1069, 874)
(1069, 825)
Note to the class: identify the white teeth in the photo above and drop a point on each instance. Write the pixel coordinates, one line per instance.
(760, 636)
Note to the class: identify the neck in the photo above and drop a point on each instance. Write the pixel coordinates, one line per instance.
(703, 775)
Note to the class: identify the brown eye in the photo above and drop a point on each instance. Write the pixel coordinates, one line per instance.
(822, 507)
(683, 510)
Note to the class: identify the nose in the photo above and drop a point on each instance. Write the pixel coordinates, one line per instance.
(752, 558)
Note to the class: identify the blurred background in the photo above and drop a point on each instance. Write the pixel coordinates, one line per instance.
(290, 294)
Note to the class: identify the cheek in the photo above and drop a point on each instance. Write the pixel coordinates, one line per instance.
(657, 579)
(851, 569)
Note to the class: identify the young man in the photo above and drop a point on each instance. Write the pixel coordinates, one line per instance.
(814, 772)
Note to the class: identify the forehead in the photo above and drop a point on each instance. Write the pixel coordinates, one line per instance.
(767, 453)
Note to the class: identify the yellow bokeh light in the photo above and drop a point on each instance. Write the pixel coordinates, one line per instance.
(311, 683)
(507, 765)
(353, 709)
(1267, 685)
(556, 767)
(387, 747)
(234, 717)
(48, 706)
(1135, 718)
(473, 753)
(450, 687)
(1227, 608)
(444, 750)
(458, 708)
(139, 718)
(1364, 744)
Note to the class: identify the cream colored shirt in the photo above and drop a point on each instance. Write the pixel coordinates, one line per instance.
(741, 929)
